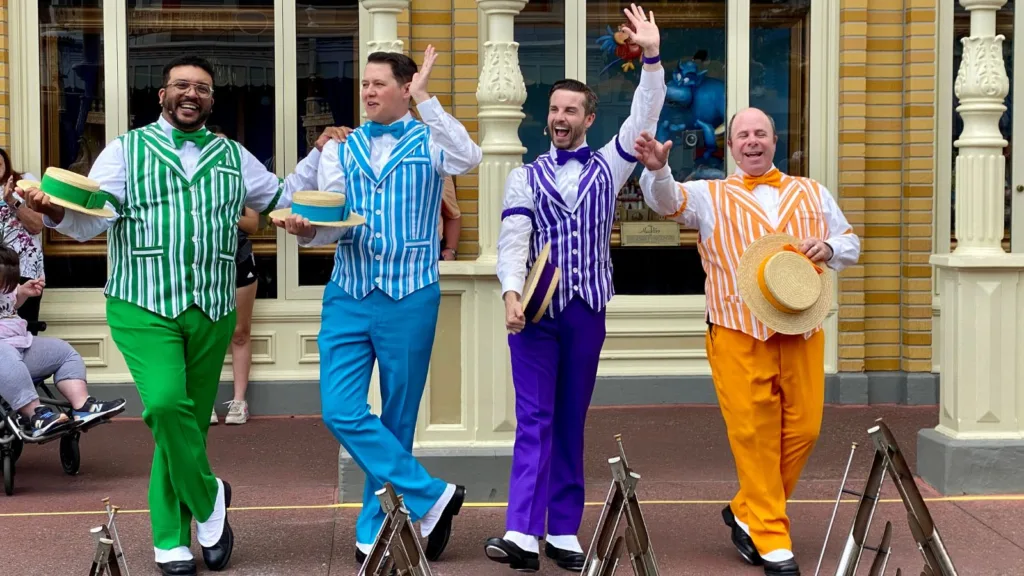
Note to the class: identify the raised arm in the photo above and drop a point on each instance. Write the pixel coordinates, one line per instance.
(689, 203)
(109, 171)
(648, 99)
(452, 149)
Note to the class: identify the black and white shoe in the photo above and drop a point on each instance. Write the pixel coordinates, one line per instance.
(94, 409)
(504, 552)
(46, 421)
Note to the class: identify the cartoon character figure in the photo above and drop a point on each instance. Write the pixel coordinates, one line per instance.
(695, 106)
(618, 44)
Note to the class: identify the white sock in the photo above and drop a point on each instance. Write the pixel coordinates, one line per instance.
(430, 519)
(570, 542)
(179, 554)
(524, 541)
(208, 533)
(777, 555)
(742, 525)
(364, 548)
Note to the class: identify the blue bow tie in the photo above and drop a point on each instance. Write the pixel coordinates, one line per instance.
(582, 155)
(397, 129)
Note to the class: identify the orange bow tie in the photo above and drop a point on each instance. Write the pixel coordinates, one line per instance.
(771, 178)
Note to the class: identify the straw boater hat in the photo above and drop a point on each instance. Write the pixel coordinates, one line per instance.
(73, 192)
(782, 287)
(321, 209)
(541, 283)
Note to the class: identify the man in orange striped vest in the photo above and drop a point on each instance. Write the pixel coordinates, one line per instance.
(770, 386)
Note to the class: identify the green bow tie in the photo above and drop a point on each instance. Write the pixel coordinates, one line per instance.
(200, 137)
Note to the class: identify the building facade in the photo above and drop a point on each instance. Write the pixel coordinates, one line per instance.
(862, 93)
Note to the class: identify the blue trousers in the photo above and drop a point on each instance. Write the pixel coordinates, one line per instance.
(399, 335)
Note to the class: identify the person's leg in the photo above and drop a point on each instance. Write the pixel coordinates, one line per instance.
(17, 389)
(241, 351)
(181, 482)
(803, 401)
(746, 377)
(581, 336)
(54, 357)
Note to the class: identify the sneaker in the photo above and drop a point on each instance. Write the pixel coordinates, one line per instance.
(94, 409)
(46, 421)
(213, 417)
(238, 412)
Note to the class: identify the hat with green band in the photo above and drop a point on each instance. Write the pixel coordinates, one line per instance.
(74, 192)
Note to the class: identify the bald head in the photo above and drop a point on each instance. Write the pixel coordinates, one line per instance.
(752, 140)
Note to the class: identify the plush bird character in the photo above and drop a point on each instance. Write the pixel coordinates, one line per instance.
(619, 44)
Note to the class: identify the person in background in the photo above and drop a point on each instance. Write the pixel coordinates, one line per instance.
(246, 281)
(449, 224)
(21, 229)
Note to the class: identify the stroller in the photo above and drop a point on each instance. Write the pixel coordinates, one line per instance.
(14, 432)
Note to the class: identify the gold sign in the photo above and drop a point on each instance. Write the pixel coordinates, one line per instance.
(650, 234)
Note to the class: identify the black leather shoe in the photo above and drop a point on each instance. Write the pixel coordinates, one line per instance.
(566, 559)
(504, 552)
(438, 538)
(784, 568)
(217, 556)
(177, 568)
(741, 539)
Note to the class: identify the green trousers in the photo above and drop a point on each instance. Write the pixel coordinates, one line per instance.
(176, 365)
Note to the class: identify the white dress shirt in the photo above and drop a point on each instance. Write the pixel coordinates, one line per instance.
(110, 171)
(452, 151)
(664, 197)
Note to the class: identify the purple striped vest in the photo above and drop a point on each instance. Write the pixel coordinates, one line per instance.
(580, 236)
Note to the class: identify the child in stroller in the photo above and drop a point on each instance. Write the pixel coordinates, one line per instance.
(26, 359)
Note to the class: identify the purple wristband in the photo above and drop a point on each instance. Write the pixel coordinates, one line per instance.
(654, 60)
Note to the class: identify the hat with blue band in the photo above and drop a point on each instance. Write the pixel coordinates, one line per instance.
(321, 209)
(73, 191)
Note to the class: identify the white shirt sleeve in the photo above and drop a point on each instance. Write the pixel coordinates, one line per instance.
(688, 203)
(265, 191)
(109, 171)
(844, 242)
(451, 147)
(516, 229)
(644, 112)
(330, 177)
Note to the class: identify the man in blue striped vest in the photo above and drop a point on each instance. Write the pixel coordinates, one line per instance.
(383, 298)
(177, 191)
(566, 197)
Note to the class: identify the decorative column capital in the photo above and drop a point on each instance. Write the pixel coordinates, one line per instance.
(982, 4)
(376, 6)
(982, 73)
(510, 7)
(385, 46)
(501, 80)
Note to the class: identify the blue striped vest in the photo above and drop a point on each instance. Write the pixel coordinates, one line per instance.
(397, 250)
(580, 235)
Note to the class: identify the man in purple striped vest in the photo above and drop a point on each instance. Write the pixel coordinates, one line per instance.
(566, 197)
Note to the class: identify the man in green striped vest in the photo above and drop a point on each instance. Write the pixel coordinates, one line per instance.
(171, 292)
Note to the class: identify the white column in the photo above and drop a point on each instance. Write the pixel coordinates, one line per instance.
(384, 24)
(982, 382)
(500, 95)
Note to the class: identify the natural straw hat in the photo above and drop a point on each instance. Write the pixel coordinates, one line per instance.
(73, 191)
(541, 283)
(782, 287)
(321, 209)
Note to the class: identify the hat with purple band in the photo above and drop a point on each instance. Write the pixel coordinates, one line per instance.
(541, 283)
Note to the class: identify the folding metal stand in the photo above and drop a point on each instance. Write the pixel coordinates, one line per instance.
(605, 553)
(396, 550)
(108, 557)
(888, 459)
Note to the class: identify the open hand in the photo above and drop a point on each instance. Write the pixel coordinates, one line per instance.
(651, 153)
(817, 250)
(418, 86)
(296, 225)
(32, 288)
(335, 133)
(515, 320)
(646, 34)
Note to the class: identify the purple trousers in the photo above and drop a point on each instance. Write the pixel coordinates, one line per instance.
(554, 367)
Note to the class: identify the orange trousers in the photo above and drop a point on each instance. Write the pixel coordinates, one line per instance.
(772, 396)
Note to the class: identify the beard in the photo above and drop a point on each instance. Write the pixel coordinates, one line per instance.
(184, 119)
(574, 136)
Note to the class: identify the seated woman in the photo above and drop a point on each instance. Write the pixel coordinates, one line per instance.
(25, 357)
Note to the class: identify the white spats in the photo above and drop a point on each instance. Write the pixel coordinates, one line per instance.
(570, 543)
(777, 555)
(208, 533)
(430, 519)
(524, 541)
(179, 554)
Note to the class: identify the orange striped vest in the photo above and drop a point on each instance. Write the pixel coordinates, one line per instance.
(740, 220)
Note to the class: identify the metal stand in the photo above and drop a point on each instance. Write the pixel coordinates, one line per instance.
(106, 558)
(888, 459)
(396, 550)
(604, 554)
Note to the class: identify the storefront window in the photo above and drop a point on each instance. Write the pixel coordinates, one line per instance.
(962, 29)
(327, 69)
(650, 255)
(73, 125)
(779, 67)
(540, 32)
(238, 40)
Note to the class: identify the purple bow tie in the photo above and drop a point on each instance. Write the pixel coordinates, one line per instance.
(582, 155)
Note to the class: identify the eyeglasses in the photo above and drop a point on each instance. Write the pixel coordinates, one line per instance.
(203, 90)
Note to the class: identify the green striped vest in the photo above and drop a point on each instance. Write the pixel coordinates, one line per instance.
(174, 243)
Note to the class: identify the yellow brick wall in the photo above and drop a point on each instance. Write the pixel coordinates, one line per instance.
(5, 70)
(887, 178)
